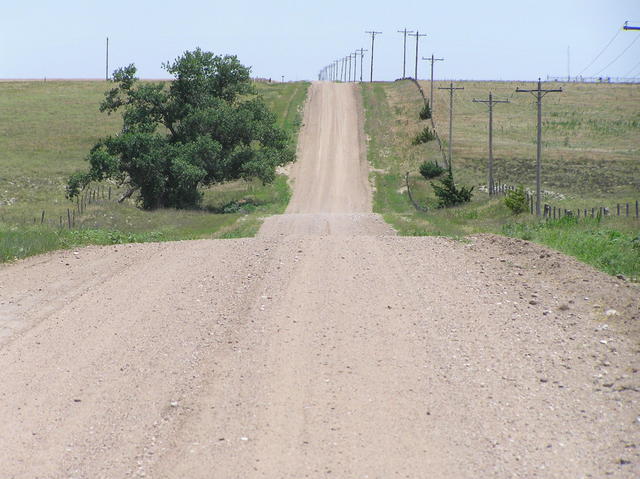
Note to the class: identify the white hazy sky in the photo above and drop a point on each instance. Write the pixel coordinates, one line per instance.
(511, 40)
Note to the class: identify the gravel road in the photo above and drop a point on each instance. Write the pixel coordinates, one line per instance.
(325, 347)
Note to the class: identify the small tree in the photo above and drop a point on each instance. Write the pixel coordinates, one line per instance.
(425, 113)
(431, 169)
(516, 200)
(207, 126)
(450, 195)
(424, 136)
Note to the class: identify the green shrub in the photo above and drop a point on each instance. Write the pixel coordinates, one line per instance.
(448, 194)
(425, 113)
(516, 200)
(424, 136)
(431, 169)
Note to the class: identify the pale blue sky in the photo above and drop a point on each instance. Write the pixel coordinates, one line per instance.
(479, 39)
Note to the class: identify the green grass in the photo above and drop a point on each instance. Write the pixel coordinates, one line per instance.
(46, 131)
(598, 166)
(588, 239)
(18, 243)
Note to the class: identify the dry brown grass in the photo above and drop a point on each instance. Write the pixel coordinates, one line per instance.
(591, 134)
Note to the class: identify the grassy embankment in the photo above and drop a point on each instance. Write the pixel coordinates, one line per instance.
(590, 158)
(46, 131)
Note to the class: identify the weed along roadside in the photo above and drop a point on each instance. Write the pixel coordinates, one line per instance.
(59, 122)
(590, 173)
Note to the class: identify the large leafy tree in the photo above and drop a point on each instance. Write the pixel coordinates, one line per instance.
(207, 126)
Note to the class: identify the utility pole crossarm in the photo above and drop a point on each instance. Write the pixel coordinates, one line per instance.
(628, 27)
(544, 92)
(490, 101)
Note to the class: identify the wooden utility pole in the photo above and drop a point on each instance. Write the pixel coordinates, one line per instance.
(355, 65)
(451, 89)
(417, 35)
(349, 77)
(432, 59)
(373, 34)
(629, 27)
(539, 93)
(106, 70)
(404, 54)
(361, 50)
(490, 102)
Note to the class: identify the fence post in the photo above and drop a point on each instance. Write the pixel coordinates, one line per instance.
(637, 210)
(69, 217)
(42, 217)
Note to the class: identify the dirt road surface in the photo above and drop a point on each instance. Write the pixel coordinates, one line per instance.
(325, 347)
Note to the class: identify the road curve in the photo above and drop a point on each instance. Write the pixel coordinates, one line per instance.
(325, 347)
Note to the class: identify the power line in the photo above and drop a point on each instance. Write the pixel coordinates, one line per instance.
(618, 57)
(632, 69)
(373, 34)
(601, 52)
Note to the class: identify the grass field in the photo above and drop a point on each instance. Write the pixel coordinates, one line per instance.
(591, 158)
(46, 131)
